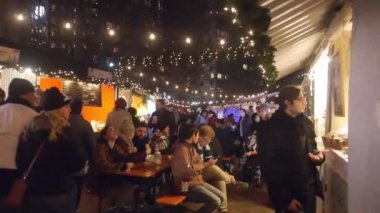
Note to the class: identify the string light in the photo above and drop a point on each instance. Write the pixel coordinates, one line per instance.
(67, 25)
(222, 42)
(20, 17)
(111, 32)
(152, 36)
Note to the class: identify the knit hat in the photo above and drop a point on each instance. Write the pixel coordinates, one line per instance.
(19, 86)
(54, 99)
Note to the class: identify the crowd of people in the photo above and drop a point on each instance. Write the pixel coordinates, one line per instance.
(71, 151)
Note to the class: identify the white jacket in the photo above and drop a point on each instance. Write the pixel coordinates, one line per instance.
(13, 119)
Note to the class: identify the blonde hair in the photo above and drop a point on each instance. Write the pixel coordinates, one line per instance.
(58, 123)
(206, 131)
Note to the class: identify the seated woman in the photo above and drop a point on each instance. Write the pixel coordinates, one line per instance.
(112, 154)
(187, 167)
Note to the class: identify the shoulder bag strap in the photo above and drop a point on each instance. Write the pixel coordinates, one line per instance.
(26, 173)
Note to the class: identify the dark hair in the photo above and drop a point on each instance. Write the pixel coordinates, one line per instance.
(162, 101)
(220, 121)
(141, 124)
(120, 103)
(186, 131)
(288, 93)
(76, 105)
(161, 126)
(132, 110)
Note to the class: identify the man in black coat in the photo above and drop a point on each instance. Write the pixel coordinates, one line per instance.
(163, 116)
(289, 155)
(85, 134)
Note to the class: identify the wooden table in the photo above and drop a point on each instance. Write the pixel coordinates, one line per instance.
(146, 169)
(147, 174)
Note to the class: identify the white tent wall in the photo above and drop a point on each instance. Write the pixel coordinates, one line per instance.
(7, 74)
(364, 109)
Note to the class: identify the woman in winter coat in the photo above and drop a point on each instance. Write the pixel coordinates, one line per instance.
(52, 187)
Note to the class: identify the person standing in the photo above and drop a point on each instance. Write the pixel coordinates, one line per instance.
(163, 116)
(51, 183)
(85, 134)
(251, 111)
(245, 124)
(133, 113)
(15, 114)
(121, 120)
(201, 118)
(289, 155)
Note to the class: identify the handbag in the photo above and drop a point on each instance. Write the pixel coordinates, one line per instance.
(17, 193)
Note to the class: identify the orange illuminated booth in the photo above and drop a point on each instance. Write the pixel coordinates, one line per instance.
(90, 113)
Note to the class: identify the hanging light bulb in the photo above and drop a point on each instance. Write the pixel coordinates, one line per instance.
(20, 17)
(67, 25)
(222, 42)
(188, 40)
(111, 32)
(152, 36)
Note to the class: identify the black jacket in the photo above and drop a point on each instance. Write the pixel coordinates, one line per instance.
(283, 146)
(84, 133)
(164, 117)
(53, 172)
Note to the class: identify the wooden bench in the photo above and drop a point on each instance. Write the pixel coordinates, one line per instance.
(170, 200)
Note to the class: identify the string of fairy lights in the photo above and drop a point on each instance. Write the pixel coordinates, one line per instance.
(70, 75)
(165, 59)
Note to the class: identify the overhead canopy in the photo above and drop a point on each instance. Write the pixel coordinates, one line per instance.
(297, 28)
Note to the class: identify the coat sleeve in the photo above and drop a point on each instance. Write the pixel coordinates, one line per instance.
(172, 124)
(311, 140)
(90, 141)
(103, 161)
(266, 149)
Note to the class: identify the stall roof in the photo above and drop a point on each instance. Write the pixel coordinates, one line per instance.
(297, 28)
